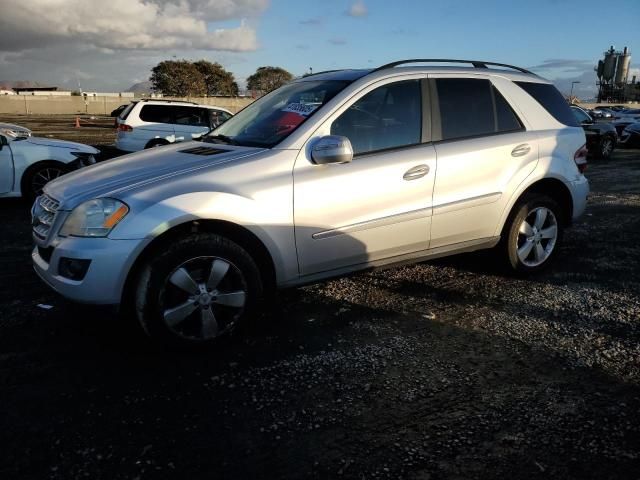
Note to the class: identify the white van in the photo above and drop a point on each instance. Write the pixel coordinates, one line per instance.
(153, 123)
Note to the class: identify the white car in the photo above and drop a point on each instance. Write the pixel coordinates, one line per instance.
(153, 123)
(28, 163)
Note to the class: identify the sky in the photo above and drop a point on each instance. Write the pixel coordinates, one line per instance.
(110, 45)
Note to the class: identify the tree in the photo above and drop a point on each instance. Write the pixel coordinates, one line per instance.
(268, 78)
(177, 78)
(217, 80)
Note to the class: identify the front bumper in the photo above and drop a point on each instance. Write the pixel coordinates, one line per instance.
(579, 193)
(630, 139)
(104, 281)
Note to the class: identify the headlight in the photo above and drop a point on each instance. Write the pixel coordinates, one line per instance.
(86, 159)
(95, 218)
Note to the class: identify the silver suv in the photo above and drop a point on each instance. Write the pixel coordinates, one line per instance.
(329, 174)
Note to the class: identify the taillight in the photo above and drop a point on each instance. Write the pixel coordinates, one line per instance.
(580, 158)
(124, 128)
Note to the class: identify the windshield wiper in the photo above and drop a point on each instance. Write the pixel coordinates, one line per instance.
(221, 138)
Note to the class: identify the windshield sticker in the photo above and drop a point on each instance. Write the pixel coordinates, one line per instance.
(300, 108)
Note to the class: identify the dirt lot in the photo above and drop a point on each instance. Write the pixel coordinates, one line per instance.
(94, 130)
(440, 370)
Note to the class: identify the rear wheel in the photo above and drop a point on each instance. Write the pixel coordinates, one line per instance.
(532, 234)
(38, 175)
(605, 149)
(198, 291)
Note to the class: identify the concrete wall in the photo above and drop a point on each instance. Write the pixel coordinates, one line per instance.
(592, 105)
(48, 105)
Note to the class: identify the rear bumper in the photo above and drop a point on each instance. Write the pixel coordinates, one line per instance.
(579, 193)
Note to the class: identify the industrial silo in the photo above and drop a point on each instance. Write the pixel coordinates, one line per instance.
(622, 70)
(609, 69)
(600, 69)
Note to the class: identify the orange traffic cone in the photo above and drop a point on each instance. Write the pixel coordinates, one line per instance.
(77, 122)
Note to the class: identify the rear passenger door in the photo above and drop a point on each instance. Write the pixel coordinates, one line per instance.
(483, 150)
(190, 122)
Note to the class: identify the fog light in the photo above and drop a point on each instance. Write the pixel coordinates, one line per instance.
(73, 268)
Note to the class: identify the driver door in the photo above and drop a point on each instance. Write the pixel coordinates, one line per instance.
(6, 166)
(379, 205)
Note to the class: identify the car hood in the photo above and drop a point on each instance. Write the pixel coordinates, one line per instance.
(49, 142)
(137, 170)
(16, 130)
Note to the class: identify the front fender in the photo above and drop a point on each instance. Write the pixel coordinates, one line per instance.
(270, 221)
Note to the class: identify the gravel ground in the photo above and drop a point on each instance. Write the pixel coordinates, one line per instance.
(440, 370)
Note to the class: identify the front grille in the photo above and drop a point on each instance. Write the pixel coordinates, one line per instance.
(44, 213)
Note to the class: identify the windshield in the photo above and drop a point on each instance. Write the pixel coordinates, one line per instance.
(272, 118)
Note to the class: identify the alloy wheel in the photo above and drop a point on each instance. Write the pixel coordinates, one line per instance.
(203, 297)
(607, 147)
(537, 237)
(44, 176)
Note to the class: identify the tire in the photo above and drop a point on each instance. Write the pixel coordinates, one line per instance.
(197, 291)
(38, 175)
(156, 142)
(530, 248)
(606, 146)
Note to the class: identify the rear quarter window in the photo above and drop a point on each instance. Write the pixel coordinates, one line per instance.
(552, 100)
(125, 113)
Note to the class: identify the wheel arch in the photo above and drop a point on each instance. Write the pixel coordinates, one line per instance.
(234, 232)
(34, 166)
(552, 187)
(157, 141)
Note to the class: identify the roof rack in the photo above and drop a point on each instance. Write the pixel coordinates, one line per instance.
(165, 100)
(475, 63)
(323, 71)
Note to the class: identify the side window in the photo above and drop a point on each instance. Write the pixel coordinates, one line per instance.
(507, 120)
(466, 107)
(218, 117)
(156, 113)
(552, 100)
(580, 115)
(193, 116)
(473, 107)
(388, 117)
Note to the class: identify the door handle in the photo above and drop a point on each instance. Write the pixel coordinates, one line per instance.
(521, 150)
(416, 172)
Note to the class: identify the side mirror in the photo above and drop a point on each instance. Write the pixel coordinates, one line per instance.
(332, 149)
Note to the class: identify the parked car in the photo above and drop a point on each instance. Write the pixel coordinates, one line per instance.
(291, 191)
(153, 123)
(620, 125)
(117, 111)
(27, 163)
(601, 136)
(630, 137)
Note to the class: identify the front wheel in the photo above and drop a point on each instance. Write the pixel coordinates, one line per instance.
(532, 234)
(38, 175)
(200, 289)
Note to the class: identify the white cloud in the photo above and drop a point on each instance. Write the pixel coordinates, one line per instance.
(358, 9)
(106, 44)
(128, 24)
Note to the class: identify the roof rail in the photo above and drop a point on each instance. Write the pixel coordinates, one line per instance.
(320, 73)
(475, 63)
(165, 100)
